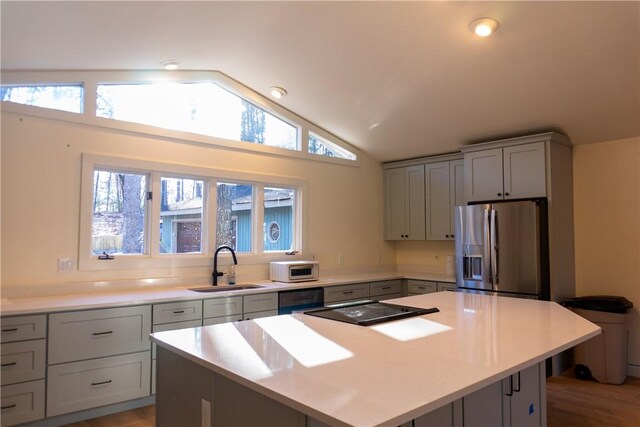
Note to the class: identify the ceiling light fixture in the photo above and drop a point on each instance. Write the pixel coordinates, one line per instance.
(277, 92)
(169, 65)
(484, 26)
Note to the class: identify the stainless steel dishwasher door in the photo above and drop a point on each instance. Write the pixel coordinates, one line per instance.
(300, 299)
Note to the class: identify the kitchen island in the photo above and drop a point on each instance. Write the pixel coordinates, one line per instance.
(299, 370)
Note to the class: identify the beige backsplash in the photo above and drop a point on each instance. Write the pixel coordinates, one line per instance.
(424, 256)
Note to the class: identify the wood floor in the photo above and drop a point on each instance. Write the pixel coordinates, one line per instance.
(570, 403)
(577, 403)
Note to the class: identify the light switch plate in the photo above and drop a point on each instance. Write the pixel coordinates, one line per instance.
(65, 265)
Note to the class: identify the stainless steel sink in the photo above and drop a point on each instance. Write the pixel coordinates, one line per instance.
(228, 288)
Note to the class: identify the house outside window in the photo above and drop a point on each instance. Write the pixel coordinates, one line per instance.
(279, 219)
(181, 214)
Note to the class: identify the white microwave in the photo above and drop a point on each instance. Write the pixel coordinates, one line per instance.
(294, 271)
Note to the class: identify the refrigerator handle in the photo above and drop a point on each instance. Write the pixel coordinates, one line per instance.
(494, 247)
(486, 244)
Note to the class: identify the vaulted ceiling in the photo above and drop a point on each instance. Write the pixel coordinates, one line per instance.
(396, 79)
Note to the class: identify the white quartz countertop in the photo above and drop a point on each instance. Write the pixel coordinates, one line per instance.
(97, 295)
(390, 373)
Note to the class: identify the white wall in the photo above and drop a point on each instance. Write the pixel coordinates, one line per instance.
(607, 226)
(41, 191)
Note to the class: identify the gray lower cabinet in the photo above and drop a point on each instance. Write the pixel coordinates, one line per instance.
(387, 289)
(90, 334)
(260, 305)
(523, 400)
(173, 312)
(23, 360)
(346, 293)
(22, 402)
(221, 310)
(517, 401)
(446, 287)
(419, 287)
(87, 384)
(97, 358)
(483, 407)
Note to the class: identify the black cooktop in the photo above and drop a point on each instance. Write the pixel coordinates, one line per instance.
(369, 312)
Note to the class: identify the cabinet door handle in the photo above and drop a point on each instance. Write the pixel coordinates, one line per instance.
(386, 287)
(9, 330)
(178, 312)
(500, 194)
(347, 292)
(95, 334)
(517, 390)
(506, 194)
(510, 386)
(4, 365)
(101, 382)
(446, 235)
(8, 407)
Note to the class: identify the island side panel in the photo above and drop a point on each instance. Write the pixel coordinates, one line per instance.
(182, 390)
(188, 395)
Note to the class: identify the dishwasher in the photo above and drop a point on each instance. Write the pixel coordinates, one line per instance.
(300, 299)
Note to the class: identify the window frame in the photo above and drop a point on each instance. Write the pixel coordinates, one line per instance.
(91, 79)
(153, 258)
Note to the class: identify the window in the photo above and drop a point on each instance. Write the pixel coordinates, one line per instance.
(206, 107)
(181, 214)
(119, 213)
(322, 147)
(279, 215)
(203, 108)
(234, 208)
(146, 214)
(57, 97)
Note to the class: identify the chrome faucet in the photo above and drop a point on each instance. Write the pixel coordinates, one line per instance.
(217, 273)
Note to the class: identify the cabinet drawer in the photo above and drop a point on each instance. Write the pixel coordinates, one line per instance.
(387, 296)
(23, 361)
(81, 385)
(384, 288)
(22, 402)
(96, 333)
(447, 287)
(346, 292)
(259, 314)
(172, 327)
(177, 312)
(218, 307)
(23, 328)
(260, 302)
(421, 287)
(223, 319)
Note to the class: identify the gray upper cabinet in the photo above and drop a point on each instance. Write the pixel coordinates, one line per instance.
(444, 191)
(404, 203)
(511, 172)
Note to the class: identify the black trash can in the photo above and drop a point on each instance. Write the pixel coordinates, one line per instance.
(604, 357)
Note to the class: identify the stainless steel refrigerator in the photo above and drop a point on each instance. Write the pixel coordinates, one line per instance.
(502, 249)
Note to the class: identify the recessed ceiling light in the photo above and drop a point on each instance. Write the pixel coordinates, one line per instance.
(169, 65)
(277, 92)
(484, 26)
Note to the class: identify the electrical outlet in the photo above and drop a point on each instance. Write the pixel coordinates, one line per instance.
(205, 413)
(378, 258)
(340, 259)
(65, 265)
